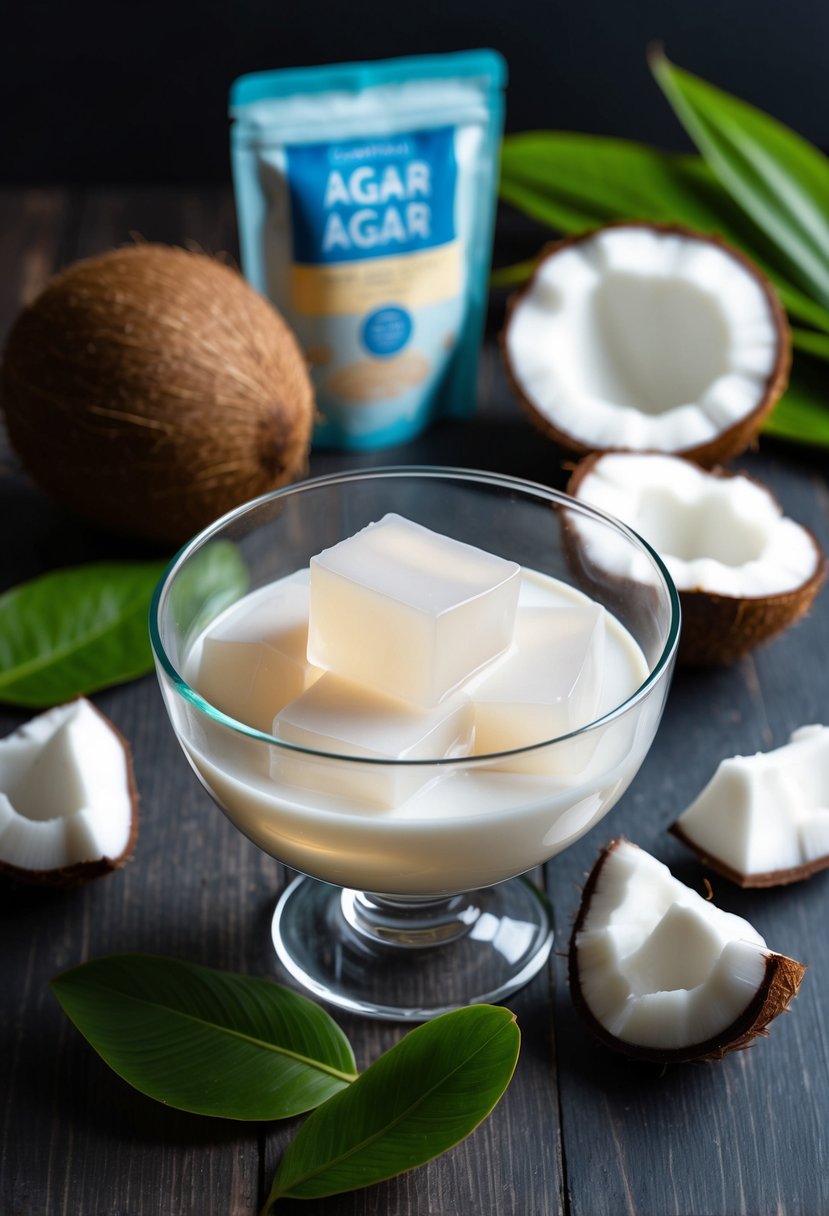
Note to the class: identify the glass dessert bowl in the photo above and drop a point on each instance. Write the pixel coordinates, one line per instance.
(410, 900)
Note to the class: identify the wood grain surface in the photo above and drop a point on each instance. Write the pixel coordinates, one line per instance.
(580, 1131)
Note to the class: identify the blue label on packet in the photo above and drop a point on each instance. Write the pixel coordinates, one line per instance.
(370, 198)
(386, 330)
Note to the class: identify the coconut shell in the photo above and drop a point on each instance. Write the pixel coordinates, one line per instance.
(719, 629)
(150, 389)
(761, 880)
(774, 995)
(729, 442)
(635, 604)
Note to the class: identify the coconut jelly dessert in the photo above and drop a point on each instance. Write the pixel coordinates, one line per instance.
(423, 732)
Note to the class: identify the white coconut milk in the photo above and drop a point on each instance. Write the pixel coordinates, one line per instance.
(470, 822)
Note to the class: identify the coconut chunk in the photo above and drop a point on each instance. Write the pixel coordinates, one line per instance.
(68, 805)
(763, 820)
(660, 973)
(744, 571)
(644, 337)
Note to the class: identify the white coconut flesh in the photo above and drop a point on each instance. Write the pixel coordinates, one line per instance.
(659, 967)
(767, 815)
(643, 339)
(65, 791)
(726, 535)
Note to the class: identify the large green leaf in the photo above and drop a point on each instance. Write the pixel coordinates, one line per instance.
(811, 343)
(778, 178)
(207, 1041)
(591, 179)
(571, 182)
(211, 581)
(423, 1096)
(800, 307)
(74, 631)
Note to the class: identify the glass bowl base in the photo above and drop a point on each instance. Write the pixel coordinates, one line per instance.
(409, 959)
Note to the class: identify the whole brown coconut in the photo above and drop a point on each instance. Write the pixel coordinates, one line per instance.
(151, 389)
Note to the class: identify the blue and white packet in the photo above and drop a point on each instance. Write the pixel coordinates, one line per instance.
(366, 197)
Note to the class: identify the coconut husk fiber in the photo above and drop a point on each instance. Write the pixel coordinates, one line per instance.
(151, 389)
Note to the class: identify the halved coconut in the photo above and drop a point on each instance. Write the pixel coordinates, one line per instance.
(763, 820)
(662, 974)
(68, 803)
(643, 337)
(744, 571)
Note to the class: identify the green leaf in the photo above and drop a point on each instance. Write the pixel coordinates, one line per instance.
(802, 413)
(512, 276)
(572, 182)
(800, 307)
(74, 631)
(811, 343)
(778, 178)
(589, 180)
(419, 1099)
(207, 1041)
(212, 580)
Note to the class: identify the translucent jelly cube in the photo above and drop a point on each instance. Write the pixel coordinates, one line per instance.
(339, 717)
(407, 612)
(254, 660)
(548, 684)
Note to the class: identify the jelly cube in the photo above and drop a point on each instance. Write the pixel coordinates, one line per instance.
(407, 612)
(254, 661)
(546, 685)
(342, 718)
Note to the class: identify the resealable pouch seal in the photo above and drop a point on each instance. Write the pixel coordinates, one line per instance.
(366, 195)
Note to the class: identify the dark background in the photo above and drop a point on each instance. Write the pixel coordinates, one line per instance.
(107, 92)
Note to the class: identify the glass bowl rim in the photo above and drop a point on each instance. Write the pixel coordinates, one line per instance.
(447, 473)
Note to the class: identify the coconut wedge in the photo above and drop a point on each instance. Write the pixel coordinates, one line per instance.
(68, 803)
(643, 337)
(763, 820)
(659, 973)
(744, 571)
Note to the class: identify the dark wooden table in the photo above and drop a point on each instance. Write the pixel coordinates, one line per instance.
(580, 1131)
